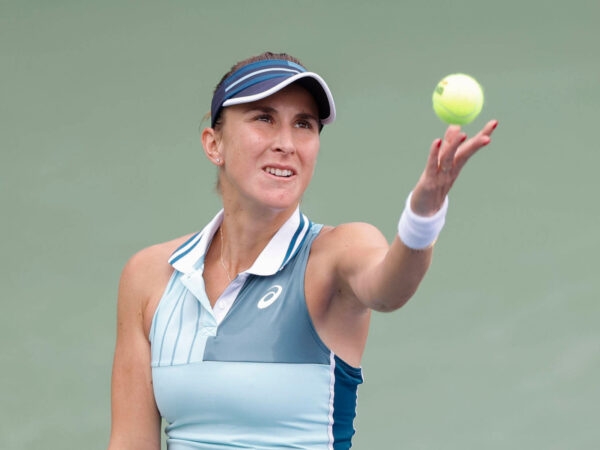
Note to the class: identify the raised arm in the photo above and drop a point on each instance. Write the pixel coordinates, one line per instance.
(383, 277)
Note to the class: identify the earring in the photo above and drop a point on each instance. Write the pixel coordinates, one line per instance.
(218, 160)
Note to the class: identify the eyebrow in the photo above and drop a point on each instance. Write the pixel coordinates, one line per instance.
(249, 107)
(308, 116)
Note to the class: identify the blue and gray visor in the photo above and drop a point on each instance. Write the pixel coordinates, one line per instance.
(261, 79)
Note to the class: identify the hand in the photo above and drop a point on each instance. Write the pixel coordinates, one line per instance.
(446, 159)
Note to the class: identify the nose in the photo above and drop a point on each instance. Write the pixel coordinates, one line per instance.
(284, 140)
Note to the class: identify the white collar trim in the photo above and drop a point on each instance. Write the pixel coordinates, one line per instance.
(189, 257)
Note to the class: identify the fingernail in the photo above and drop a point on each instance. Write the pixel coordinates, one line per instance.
(495, 125)
(438, 144)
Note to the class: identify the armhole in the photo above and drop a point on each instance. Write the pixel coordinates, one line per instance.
(348, 368)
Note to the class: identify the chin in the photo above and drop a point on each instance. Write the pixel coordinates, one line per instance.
(281, 202)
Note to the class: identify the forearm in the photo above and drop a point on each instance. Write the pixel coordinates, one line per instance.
(135, 420)
(394, 279)
(398, 276)
(135, 417)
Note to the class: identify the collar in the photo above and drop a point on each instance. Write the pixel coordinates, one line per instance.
(282, 247)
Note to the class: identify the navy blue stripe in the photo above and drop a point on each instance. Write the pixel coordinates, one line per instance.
(347, 379)
(255, 80)
(290, 249)
(174, 259)
(274, 63)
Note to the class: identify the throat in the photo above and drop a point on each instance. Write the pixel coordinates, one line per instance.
(221, 256)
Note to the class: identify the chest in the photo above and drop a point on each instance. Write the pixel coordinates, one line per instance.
(268, 322)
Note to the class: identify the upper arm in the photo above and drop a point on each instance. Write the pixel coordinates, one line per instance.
(378, 275)
(135, 417)
(359, 249)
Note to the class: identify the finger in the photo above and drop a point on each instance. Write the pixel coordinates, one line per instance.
(453, 138)
(433, 159)
(489, 127)
(470, 147)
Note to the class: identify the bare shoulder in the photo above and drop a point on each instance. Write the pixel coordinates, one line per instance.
(349, 237)
(151, 261)
(144, 278)
(340, 252)
(338, 255)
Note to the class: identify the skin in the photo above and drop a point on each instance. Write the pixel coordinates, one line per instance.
(352, 268)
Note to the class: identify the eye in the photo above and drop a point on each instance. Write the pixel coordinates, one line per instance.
(264, 118)
(306, 124)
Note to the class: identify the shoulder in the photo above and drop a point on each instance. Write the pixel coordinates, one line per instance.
(151, 261)
(336, 241)
(145, 276)
(339, 256)
(341, 252)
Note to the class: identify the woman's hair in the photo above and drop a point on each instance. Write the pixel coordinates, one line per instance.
(262, 57)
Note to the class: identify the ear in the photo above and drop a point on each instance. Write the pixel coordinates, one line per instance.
(210, 143)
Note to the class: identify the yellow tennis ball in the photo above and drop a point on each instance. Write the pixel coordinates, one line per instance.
(458, 99)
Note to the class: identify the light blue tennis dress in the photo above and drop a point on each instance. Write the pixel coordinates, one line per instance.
(257, 376)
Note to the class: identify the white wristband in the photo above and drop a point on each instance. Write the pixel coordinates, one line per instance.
(418, 232)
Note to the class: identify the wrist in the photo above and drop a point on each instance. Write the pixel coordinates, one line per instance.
(419, 232)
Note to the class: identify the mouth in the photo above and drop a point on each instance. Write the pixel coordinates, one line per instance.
(281, 173)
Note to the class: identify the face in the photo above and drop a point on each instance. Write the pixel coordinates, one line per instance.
(269, 149)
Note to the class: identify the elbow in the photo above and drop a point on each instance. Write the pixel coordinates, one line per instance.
(386, 305)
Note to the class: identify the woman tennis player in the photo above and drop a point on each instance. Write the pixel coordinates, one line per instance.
(249, 334)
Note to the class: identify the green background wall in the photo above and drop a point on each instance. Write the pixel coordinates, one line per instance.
(100, 106)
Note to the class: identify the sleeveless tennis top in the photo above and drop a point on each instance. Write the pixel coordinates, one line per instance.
(260, 378)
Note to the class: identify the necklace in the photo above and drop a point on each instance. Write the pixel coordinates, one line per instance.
(223, 262)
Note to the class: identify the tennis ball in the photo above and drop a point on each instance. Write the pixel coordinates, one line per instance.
(458, 99)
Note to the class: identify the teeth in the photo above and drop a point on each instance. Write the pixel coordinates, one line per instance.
(279, 172)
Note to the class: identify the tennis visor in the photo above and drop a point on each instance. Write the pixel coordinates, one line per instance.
(261, 79)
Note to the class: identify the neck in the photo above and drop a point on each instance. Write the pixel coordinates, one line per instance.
(244, 236)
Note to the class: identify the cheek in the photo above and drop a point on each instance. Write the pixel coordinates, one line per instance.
(310, 162)
(313, 152)
(243, 145)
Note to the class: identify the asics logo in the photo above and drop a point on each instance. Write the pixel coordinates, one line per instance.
(269, 298)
